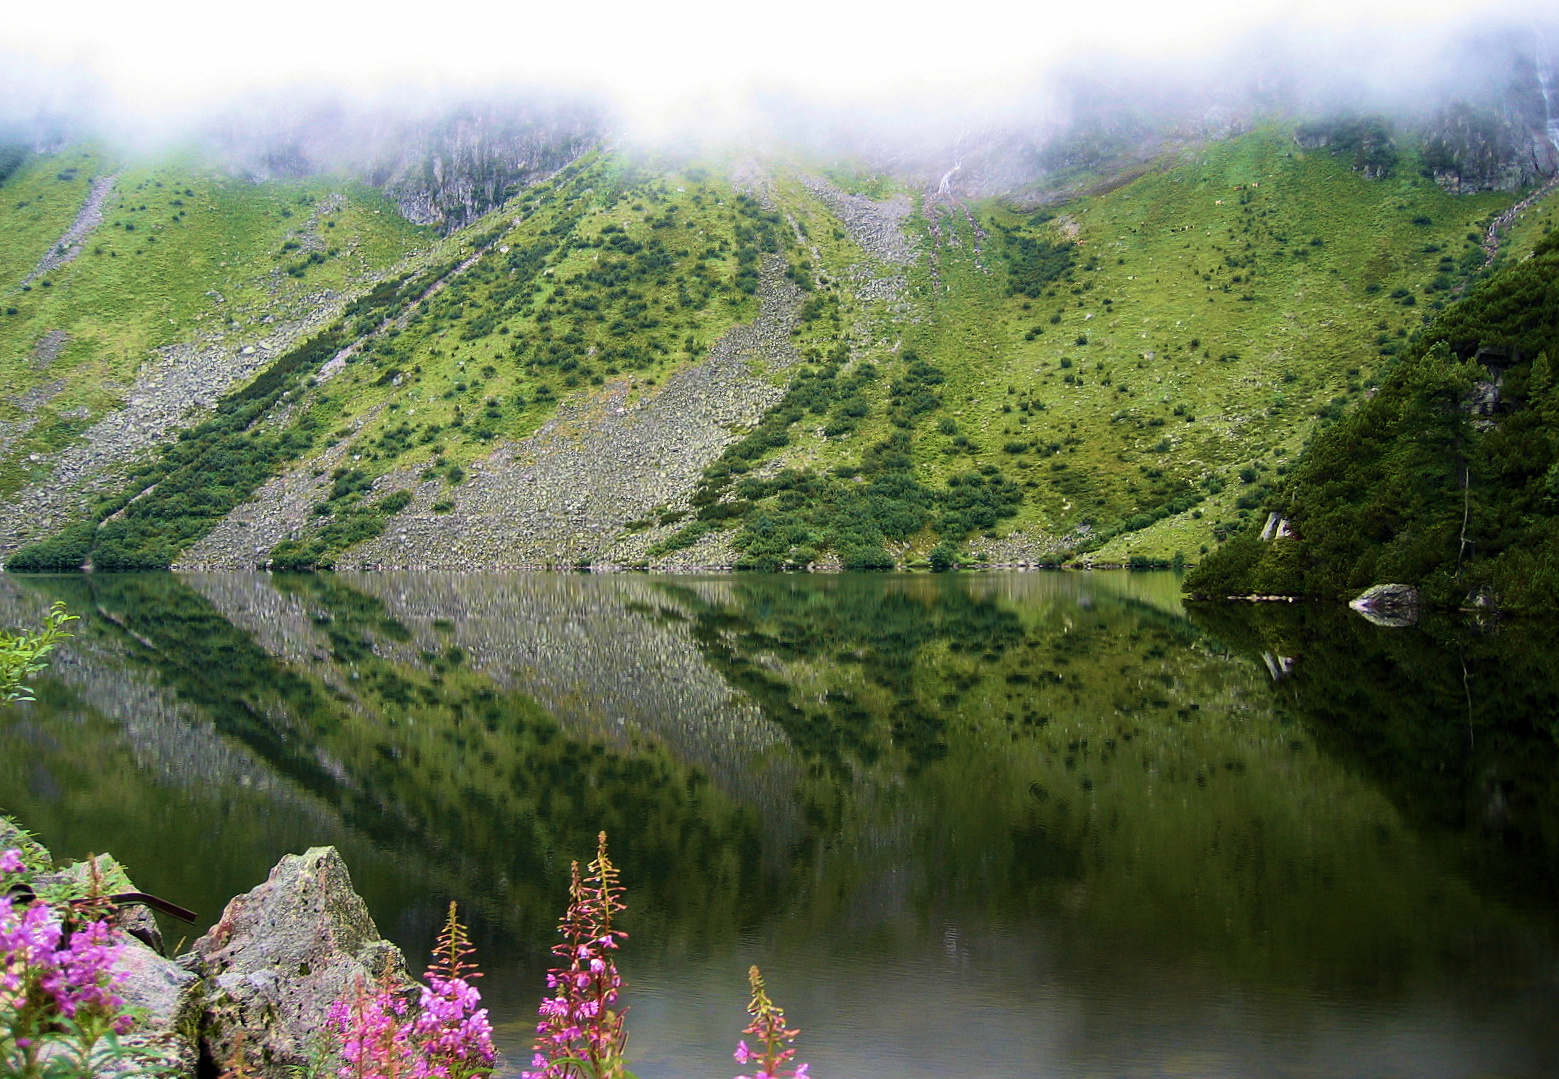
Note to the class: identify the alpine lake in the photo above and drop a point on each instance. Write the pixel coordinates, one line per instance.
(981, 824)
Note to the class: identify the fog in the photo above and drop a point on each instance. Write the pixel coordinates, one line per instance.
(692, 73)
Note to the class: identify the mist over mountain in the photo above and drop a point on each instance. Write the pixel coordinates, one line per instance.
(448, 141)
(904, 94)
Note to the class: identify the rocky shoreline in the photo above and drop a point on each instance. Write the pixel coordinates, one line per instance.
(255, 989)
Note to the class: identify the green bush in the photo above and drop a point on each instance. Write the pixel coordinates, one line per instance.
(63, 553)
(21, 656)
(1226, 571)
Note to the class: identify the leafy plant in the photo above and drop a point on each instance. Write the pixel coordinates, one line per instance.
(59, 1014)
(22, 656)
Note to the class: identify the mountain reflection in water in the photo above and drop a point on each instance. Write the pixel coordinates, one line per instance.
(997, 824)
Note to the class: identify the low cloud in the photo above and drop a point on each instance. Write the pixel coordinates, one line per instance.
(691, 74)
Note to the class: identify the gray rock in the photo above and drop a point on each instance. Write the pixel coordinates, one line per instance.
(75, 880)
(167, 1001)
(280, 956)
(1276, 528)
(1388, 604)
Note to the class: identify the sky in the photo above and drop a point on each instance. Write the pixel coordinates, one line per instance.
(666, 65)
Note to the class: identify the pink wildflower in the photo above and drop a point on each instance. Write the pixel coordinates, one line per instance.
(768, 1026)
(452, 1031)
(449, 1038)
(374, 1043)
(580, 1035)
(45, 979)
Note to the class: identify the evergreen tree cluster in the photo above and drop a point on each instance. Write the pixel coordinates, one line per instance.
(1446, 479)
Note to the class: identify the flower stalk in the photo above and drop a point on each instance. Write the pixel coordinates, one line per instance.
(449, 1037)
(769, 1030)
(582, 1034)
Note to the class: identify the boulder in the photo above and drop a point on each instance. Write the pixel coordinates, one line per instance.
(1388, 604)
(167, 1001)
(280, 956)
(1276, 528)
(75, 880)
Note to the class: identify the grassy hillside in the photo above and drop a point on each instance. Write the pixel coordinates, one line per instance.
(1126, 376)
(607, 271)
(183, 255)
(1140, 365)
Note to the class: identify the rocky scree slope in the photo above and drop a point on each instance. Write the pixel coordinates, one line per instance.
(1138, 365)
(564, 495)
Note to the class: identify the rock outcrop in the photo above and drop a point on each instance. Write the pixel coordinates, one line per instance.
(1388, 604)
(169, 1001)
(257, 987)
(444, 163)
(280, 956)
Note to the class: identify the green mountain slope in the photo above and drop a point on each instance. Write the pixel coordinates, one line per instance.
(763, 362)
(165, 282)
(1447, 479)
(1138, 363)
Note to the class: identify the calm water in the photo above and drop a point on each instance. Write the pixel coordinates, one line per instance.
(987, 825)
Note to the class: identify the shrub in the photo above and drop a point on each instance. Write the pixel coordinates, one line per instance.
(63, 553)
(22, 656)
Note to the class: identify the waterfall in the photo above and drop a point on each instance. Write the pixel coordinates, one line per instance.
(946, 186)
(1545, 82)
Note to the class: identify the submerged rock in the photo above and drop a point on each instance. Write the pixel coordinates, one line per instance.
(1393, 605)
(280, 956)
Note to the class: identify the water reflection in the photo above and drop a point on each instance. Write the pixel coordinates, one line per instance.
(1043, 823)
(1456, 722)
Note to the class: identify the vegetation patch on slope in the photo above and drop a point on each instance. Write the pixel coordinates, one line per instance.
(1446, 479)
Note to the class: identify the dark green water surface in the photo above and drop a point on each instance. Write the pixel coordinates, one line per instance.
(993, 825)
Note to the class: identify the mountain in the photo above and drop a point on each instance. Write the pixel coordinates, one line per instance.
(444, 162)
(500, 336)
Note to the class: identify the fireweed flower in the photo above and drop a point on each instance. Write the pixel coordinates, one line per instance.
(448, 1038)
(581, 1035)
(373, 1037)
(54, 990)
(768, 1027)
(452, 1030)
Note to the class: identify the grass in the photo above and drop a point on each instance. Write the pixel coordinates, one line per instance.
(609, 272)
(184, 254)
(1147, 397)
